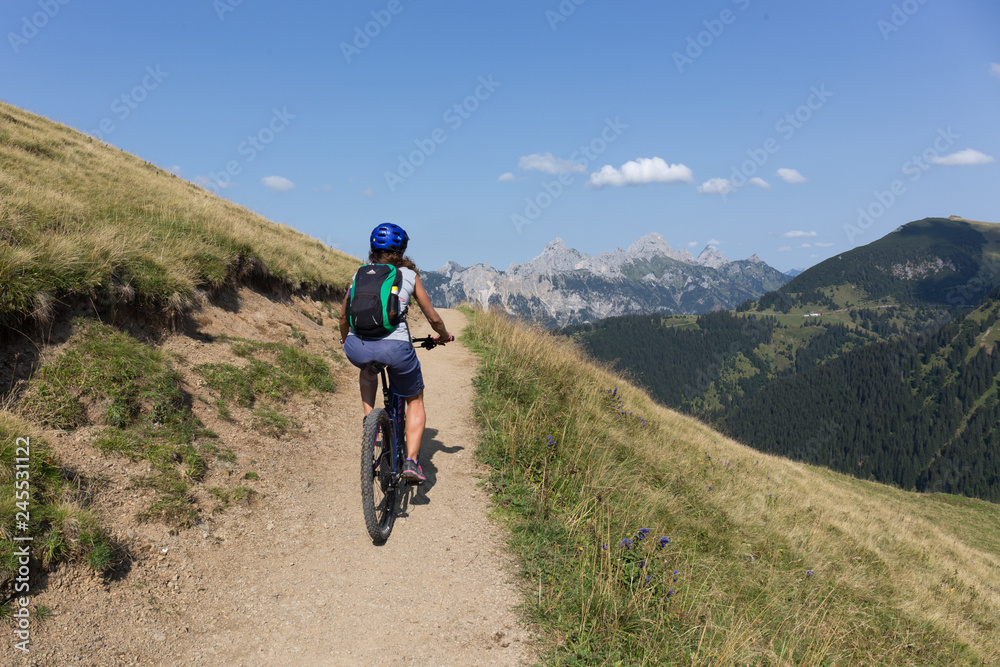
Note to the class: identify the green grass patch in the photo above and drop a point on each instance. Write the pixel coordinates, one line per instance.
(110, 378)
(38, 500)
(226, 497)
(272, 370)
(271, 373)
(272, 423)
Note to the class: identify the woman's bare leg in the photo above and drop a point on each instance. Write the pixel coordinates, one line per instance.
(369, 384)
(416, 418)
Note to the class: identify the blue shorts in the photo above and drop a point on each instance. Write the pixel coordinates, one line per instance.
(398, 356)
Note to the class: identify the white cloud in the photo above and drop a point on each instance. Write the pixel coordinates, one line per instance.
(759, 182)
(714, 242)
(796, 233)
(791, 176)
(968, 157)
(786, 248)
(716, 186)
(175, 170)
(506, 178)
(641, 172)
(277, 183)
(823, 245)
(549, 163)
(368, 192)
(323, 188)
(692, 244)
(995, 69)
(806, 245)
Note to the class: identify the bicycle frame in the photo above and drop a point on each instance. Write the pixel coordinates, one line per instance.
(395, 405)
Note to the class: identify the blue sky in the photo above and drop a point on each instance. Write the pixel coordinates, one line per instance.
(790, 130)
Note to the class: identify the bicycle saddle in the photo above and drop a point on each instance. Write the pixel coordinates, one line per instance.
(374, 367)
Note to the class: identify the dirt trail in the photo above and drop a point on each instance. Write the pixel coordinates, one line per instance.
(295, 579)
(434, 594)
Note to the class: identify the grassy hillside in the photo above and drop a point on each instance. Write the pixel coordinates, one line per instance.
(78, 217)
(648, 538)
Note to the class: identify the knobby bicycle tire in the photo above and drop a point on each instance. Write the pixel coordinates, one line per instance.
(378, 497)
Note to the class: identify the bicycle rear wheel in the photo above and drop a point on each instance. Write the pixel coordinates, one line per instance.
(378, 495)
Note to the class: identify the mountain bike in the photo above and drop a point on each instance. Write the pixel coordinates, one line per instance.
(383, 452)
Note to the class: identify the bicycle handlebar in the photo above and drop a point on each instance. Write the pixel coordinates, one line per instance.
(430, 342)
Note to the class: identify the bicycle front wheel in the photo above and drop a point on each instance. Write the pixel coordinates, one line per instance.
(378, 494)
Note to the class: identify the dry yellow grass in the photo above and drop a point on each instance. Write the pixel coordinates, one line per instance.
(797, 564)
(78, 216)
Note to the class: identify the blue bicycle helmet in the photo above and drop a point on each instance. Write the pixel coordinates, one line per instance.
(388, 236)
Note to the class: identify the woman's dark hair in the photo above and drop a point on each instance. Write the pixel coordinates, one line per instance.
(395, 258)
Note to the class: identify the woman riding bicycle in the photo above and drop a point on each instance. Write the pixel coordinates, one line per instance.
(395, 350)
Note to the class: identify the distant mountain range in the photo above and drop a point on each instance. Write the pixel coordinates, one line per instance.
(564, 286)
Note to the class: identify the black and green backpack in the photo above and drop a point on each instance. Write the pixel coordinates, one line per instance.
(373, 305)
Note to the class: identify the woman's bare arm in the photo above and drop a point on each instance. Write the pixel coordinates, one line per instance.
(433, 318)
(345, 326)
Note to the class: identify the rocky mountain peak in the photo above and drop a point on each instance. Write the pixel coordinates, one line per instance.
(449, 268)
(555, 257)
(554, 246)
(650, 245)
(711, 257)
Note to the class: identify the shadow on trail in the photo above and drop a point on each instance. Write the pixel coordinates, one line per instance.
(417, 495)
(430, 447)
